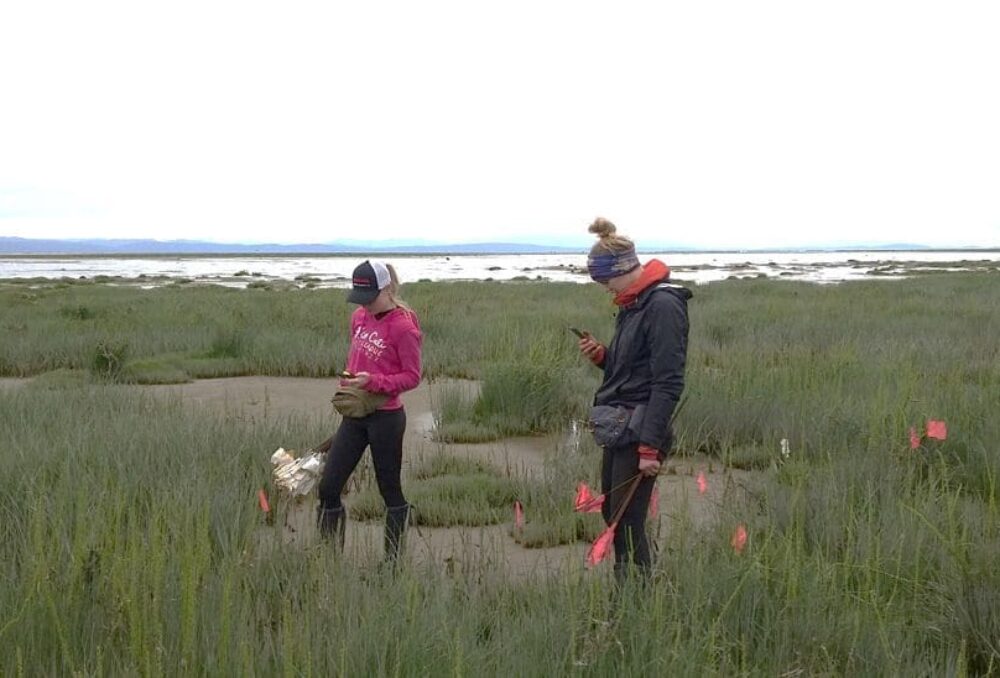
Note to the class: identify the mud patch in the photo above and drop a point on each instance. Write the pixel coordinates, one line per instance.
(10, 383)
(458, 549)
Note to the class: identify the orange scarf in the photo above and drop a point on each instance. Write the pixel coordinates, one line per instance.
(653, 272)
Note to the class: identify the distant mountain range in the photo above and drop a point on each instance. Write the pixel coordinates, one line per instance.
(122, 247)
(108, 247)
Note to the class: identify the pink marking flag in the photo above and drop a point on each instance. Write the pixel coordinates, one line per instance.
(586, 502)
(601, 547)
(914, 438)
(654, 502)
(937, 429)
(702, 483)
(265, 505)
(739, 538)
(518, 516)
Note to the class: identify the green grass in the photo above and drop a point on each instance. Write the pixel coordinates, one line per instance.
(447, 491)
(452, 491)
(131, 543)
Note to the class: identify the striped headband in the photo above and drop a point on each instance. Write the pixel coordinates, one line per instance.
(607, 265)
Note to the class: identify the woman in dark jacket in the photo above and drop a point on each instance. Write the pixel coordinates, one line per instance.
(643, 373)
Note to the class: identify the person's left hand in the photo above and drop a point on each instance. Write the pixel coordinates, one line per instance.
(358, 380)
(649, 467)
(649, 460)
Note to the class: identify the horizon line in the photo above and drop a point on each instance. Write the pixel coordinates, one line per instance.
(400, 245)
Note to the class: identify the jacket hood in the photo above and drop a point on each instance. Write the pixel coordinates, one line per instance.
(655, 271)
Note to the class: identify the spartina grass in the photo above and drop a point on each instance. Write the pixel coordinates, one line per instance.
(131, 541)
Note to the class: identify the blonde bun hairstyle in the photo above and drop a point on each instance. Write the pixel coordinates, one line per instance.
(608, 239)
(612, 255)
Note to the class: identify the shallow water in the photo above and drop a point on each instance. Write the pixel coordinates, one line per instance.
(335, 271)
(464, 548)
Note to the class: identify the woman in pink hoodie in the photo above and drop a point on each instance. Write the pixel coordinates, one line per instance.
(384, 358)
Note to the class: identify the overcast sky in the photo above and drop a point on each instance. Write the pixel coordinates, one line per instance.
(700, 123)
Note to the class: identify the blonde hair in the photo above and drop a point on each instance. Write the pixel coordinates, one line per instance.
(393, 288)
(608, 241)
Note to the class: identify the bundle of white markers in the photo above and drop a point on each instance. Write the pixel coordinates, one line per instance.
(297, 476)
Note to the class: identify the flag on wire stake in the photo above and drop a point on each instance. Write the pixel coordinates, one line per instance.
(937, 429)
(702, 483)
(914, 438)
(601, 547)
(654, 502)
(586, 502)
(739, 538)
(265, 505)
(518, 516)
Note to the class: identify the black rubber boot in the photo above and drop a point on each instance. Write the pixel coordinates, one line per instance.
(332, 523)
(396, 518)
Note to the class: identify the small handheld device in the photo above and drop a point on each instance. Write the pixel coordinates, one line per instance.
(580, 333)
(347, 375)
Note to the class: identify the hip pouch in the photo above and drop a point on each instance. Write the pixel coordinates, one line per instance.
(354, 402)
(615, 425)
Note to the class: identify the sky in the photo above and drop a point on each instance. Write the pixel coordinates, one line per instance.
(702, 124)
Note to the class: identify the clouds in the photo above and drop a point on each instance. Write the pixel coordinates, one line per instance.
(713, 124)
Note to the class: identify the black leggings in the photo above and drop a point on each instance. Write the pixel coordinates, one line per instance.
(383, 431)
(618, 466)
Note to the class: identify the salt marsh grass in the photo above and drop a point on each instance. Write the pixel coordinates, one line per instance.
(130, 539)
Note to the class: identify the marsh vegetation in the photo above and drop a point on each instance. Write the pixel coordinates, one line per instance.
(131, 538)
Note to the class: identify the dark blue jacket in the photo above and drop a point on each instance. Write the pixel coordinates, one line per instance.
(644, 363)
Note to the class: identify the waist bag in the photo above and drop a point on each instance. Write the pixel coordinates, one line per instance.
(615, 425)
(355, 402)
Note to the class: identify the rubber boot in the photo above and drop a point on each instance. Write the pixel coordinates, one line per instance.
(396, 518)
(632, 560)
(332, 523)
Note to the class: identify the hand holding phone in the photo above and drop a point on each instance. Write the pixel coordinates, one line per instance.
(357, 380)
(589, 346)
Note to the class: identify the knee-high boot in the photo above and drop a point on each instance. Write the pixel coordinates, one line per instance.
(396, 518)
(332, 523)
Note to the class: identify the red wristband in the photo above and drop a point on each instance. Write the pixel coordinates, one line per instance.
(649, 453)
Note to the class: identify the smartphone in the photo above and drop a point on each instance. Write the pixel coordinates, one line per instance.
(579, 333)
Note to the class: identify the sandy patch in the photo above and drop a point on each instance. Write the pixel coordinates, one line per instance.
(681, 499)
(277, 397)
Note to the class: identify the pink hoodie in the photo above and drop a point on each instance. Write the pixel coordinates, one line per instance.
(388, 348)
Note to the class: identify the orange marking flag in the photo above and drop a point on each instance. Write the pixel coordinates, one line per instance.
(654, 502)
(265, 505)
(914, 438)
(601, 547)
(586, 502)
(739, 539)
(518, 516)
(702, 483)
(937, 429)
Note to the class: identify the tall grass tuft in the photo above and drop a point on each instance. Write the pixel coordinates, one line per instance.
(109, 358)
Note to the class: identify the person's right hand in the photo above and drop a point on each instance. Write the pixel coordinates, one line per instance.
(592, 349)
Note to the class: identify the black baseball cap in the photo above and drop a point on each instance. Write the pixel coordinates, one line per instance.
(368, 279)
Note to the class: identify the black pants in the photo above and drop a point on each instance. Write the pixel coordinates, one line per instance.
(618, 466)
(383, 431)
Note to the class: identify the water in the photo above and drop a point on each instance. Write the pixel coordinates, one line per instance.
(335, 271)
